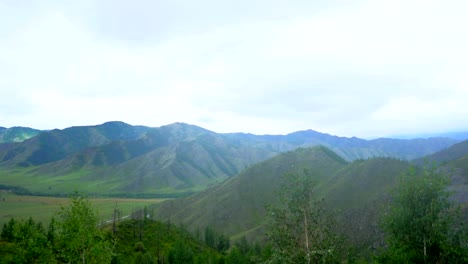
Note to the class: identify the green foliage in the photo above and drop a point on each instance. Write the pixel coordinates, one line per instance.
(216, 241)
(74, 238)
(301, 230)
(420, 224)
(180, 254)
(79, 239)
(31, 243)
(245, 253)
(163, 242)
(7, 230)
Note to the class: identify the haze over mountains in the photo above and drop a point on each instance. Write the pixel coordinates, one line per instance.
(119, 159)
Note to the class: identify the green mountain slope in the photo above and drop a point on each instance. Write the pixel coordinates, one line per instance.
(453, 152)
(455, 159)
(57, 144)
(238, 205)
(177, 158)
(143, 167)
(357, 190)
(17, 134)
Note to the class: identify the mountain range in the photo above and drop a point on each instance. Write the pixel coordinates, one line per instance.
(123, 160)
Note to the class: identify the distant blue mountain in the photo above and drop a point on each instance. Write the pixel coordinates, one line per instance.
(463, 135)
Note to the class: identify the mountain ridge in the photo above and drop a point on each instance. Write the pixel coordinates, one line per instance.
(116, 158)
(17, 134)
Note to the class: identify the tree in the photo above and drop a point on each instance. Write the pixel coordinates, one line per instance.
(301, 230)
(222, 244)
(420, 224)
(180, 253)
(7, 230)
(210, 237)
(79, 238)
(30, 242)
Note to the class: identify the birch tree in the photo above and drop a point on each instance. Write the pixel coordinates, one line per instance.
(300, 228)
(420, 223)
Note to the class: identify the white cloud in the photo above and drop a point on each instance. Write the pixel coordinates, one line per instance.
(370, 68)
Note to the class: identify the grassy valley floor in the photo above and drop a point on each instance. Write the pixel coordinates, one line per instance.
(42, 208)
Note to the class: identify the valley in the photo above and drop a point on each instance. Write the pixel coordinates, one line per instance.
(43, 208)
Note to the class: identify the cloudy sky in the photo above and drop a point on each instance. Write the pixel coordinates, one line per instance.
(352, 68)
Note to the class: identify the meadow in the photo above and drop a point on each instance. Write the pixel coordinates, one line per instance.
(42, 208)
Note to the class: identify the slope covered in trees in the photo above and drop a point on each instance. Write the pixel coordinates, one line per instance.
(238, 206)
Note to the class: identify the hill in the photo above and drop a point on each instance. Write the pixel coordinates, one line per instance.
(357, 190)
(238, 205)
(455, 160)
(348, 148)
(17, 134)
(122, 160)
(453, 152)
(57, 144)
(169, 160)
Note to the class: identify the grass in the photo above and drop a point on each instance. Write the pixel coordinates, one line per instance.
(42, 208)
(34, 183)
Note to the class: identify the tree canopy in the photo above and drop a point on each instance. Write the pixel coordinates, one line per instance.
(421, 224)
(301, 228)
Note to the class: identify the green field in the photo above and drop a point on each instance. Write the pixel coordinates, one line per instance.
(42, 208)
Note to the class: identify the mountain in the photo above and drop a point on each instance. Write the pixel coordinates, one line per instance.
(123, 160)
(17, 134)
(349, 148)
(237, 207)
(455, 160)
(174, 159)
(358, 191)
(57, 144)
(451, 153)
(160, 162)
(460, 135)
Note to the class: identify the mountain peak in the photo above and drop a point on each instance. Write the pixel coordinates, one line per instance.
(17, 134)
(114, 123)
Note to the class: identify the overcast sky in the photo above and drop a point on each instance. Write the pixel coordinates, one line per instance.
(351, 68)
